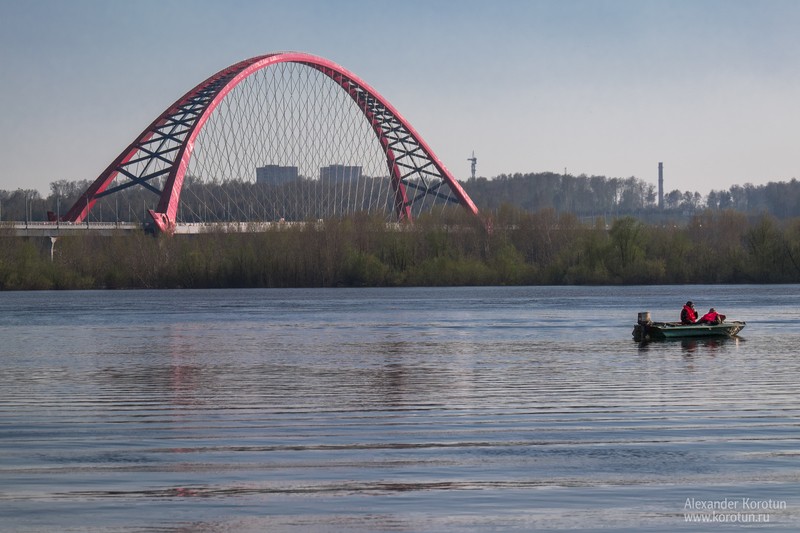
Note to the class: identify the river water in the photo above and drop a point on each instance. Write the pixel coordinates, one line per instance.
(447, 409)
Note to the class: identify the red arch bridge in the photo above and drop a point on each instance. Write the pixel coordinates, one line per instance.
(279, 137)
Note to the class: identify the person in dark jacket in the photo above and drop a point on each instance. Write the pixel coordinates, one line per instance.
(688, 314)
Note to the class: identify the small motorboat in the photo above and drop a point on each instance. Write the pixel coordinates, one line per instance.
(646, 330)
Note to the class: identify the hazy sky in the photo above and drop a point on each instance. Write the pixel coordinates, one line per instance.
(709, 87)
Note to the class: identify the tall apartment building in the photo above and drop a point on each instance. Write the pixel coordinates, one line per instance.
(339, 173)
(275, 174)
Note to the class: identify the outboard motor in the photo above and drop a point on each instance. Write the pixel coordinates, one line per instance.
(640, 330)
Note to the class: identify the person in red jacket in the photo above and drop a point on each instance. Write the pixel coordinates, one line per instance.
(712, 317)
(688, 314)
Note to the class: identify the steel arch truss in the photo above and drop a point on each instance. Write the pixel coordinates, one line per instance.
(159, 157)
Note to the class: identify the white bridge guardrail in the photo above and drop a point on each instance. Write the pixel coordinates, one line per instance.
(57, 229)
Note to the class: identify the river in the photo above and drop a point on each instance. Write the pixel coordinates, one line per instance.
(422, 409)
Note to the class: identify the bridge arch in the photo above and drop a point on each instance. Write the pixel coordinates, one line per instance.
(159, 157)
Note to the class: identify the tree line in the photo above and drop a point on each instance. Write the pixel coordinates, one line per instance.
(584, 196)
(613, 197)
(518, 247)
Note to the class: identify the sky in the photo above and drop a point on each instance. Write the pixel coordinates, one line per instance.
(601, 87)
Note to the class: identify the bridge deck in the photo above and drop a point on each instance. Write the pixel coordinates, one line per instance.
(61, 229)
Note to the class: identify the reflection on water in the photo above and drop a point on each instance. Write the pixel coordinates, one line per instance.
(391, 410)
(689, 346)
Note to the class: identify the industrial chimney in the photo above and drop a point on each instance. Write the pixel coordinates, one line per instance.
(661, 185)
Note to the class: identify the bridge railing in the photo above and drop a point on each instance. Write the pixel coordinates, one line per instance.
(55, 229)
(44, 229)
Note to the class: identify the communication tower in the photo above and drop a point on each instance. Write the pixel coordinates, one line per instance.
(474, 163)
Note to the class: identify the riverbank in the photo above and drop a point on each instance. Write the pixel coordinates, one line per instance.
(520, 249)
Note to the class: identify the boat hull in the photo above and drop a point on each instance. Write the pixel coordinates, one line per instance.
(676, 330)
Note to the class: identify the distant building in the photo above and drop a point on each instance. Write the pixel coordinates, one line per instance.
(275, 174)
(339, 173)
